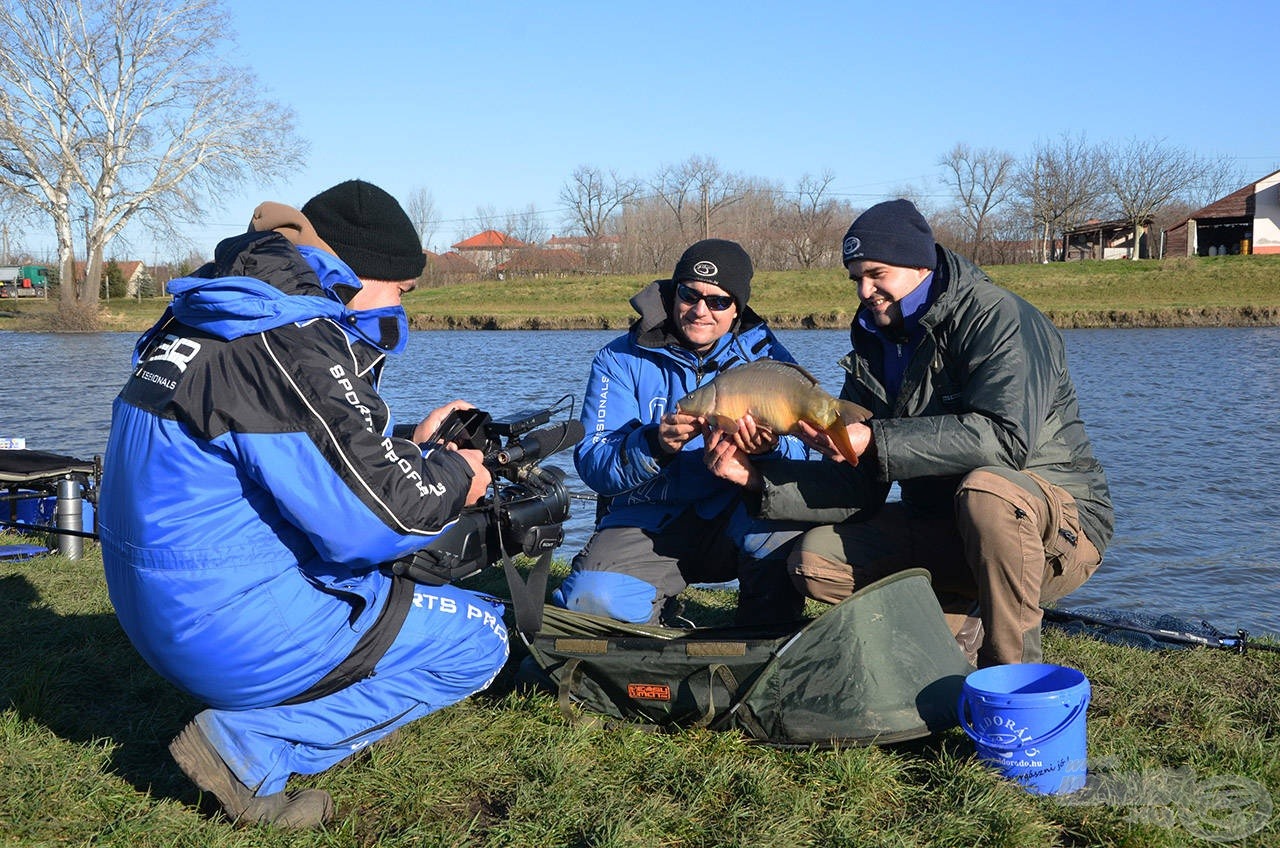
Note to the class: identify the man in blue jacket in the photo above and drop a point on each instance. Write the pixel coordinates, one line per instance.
(670, 521)
(254, 490)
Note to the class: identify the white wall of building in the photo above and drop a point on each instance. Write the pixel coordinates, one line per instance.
(1266, 221)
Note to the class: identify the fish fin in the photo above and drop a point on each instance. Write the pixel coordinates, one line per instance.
(840, 436)
(723, 423)
(852, 413)
(778, 364)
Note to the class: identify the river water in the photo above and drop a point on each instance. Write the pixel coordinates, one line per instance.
(1186, 421)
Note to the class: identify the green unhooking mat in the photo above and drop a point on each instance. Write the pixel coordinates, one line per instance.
(881, 666)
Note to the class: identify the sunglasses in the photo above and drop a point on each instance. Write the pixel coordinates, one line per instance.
(715, 302)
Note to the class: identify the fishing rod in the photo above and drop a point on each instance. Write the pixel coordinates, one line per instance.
(1239, 643)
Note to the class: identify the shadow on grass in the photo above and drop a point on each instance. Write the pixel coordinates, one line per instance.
(79, 676)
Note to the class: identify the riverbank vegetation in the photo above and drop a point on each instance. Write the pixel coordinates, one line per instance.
(1189, 291)
(1189, 736)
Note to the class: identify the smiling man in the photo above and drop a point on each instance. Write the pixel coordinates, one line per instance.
(976, 419)
(669, 520)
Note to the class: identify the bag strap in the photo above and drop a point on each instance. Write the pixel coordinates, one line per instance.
(726, 676)
(528, 596)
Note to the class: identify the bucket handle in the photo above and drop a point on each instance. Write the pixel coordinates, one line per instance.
(966, 724)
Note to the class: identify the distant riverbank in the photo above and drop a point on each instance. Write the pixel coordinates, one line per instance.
(1217, 291)
(1217, 316)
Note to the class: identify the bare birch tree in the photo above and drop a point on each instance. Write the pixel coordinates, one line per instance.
(119, 110)
(981, 181)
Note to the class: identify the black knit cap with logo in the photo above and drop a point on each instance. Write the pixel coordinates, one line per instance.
(720, 262)
(369, 231)
(893, 232)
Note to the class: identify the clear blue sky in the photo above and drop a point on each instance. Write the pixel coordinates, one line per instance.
(494, 104)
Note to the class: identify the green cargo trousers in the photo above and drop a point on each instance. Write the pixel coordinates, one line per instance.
(1012, 542)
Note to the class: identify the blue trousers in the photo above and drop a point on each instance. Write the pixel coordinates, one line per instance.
(452, 645)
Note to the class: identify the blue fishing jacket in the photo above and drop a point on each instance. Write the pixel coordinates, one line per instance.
(635, 380)
(252, 485)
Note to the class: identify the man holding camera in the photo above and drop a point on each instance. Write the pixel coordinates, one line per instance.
(669, 521)
(253, 493)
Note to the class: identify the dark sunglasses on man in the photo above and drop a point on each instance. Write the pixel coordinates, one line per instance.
(715, 302)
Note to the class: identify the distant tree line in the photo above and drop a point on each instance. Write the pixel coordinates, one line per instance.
(989, 205)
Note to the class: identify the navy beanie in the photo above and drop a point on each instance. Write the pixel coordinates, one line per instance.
(893, 232)
(719, 262)
(369, 230)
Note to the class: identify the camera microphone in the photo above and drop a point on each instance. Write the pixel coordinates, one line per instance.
(542, 443)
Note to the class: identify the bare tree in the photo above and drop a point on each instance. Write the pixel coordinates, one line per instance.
(115, 110)
(526, 225)
(1144, 176)
(594, 197)
(1222, 175)
(1060, 186)
(981, 181)
(651, 240)
(810, 222)
(421, 207)
(694, 192)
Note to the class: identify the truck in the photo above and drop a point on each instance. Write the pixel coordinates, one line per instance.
(24, 281)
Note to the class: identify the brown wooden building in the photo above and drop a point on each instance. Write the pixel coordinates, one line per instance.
(1245, 221)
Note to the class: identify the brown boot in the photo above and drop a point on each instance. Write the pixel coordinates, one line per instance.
(197, 757)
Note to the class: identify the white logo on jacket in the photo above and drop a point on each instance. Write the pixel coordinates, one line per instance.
(174, 349)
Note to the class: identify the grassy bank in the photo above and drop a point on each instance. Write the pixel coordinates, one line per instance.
(1207, 291)
(84, 727)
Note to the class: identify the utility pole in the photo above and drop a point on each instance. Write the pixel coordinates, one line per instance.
(706, 212)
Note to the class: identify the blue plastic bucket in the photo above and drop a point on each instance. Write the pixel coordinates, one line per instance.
(1028, 722)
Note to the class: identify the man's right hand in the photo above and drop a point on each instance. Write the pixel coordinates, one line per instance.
(481, 478)
(676, 429)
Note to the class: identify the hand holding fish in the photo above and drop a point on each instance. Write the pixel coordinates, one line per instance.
(859, 434)
(728, 461)
(749, 436)
(677, 428)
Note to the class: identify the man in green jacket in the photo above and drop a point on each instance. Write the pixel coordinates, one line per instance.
(975, 418)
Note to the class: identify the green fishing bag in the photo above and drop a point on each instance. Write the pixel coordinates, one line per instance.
(881, 666)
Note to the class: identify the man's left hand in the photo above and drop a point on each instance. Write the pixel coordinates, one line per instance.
(729, 462)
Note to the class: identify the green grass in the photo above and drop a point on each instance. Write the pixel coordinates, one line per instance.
(1172, 292)
(84, 726)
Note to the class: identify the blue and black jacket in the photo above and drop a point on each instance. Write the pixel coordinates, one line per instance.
(251, 485)
(635, 380)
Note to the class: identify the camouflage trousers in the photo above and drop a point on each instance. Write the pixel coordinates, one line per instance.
(1012, 542)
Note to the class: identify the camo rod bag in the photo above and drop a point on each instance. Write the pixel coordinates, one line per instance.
(881, 666)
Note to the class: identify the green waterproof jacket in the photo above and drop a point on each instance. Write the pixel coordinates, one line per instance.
(987, 386)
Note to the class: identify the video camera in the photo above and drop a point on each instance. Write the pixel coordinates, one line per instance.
(527, 514)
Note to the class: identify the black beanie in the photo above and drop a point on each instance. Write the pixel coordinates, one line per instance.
(368, 230)
(719, 262)
(893, 232)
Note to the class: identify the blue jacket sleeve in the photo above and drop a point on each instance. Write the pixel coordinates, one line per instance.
(361, 497)
(615, 455)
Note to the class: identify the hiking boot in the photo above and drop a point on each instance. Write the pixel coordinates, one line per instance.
(200, 761)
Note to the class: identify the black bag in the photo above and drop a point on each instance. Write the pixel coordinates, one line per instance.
(881, 666)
